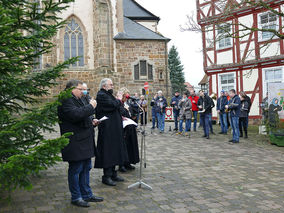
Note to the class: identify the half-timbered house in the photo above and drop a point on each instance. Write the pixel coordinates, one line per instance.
(239, 58)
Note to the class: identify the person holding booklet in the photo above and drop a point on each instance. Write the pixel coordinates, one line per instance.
(111, 147)
(129, 133)
(76, 116)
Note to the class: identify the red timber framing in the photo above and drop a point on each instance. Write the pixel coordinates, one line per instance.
(213, 14)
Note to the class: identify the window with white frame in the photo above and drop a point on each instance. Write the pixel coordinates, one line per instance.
(143, 71)
(268, 20)
(74, 43)
(205, 87)
(224, 38)
(227, 81)
(272, 75)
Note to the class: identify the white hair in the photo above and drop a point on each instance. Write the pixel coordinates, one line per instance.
(160, 92)
(85, 85)
(104, 82)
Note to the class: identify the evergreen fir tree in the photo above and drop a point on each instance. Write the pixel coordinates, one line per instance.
(26, 32)
(176, 71)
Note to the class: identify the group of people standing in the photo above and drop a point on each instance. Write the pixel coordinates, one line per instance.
(117, 144)
(233, 110)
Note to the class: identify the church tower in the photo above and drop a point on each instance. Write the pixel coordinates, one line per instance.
(113, 38)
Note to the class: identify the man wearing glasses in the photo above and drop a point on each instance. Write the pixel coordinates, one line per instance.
(76, 116)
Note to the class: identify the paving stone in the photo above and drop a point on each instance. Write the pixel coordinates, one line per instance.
(187, 175)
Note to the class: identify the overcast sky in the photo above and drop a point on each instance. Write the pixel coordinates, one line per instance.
(189, 44)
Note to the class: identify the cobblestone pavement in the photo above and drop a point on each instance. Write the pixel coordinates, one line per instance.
(187, 175)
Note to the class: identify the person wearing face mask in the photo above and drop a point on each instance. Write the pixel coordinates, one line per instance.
(85, 97)
(77, 117)
(111, 147)
(130, 133)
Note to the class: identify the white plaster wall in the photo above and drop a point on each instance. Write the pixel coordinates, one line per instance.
(151, 25)
(272, 49)
(225, 57)
(204, 8)
(83, 9)
(250, 78)
(211, 56)
(214, 90)
(255, 106)
(214, 86)
(246, 21)
(239, 81)
(250, 54)
(209, 37)
(282, 7)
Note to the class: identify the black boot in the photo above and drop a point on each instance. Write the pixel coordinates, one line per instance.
(241, 134)
(129, 167)
(108, 181)
(122, 169)
(117, 178)
(246, 134)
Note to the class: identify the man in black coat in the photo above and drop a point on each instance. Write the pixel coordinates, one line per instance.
(205, 109)
(111, 147)
(76, 116)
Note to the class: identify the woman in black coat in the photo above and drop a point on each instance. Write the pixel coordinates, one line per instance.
(130, 133)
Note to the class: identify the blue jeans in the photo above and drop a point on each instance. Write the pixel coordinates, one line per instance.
(235, 128)
(154, 119)
(161, 121)
(223, 122)
(187, 125)
(176, 114)
(204, 119)
(79, 179)
(194, 113)
(210, 123)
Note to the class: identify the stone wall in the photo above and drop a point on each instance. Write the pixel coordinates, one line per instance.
(130, 52)
(105, 57)
(103, 34)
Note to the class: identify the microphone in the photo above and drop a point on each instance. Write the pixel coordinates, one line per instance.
(133, 98)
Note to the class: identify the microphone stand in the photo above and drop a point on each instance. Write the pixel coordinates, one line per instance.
(140, 183)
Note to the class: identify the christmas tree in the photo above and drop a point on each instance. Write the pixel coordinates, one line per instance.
(176, 71)
(26, 32)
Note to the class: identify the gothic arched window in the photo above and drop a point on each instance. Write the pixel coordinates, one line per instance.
(74, 43)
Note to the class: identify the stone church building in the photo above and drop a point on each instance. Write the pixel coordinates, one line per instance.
(116, 39)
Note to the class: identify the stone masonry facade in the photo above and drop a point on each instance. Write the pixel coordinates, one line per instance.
(110, 58)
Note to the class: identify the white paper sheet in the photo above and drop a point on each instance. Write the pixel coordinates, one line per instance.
(103, 119)
(127, 122)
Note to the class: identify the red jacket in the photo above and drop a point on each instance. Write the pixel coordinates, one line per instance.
(194, 105)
